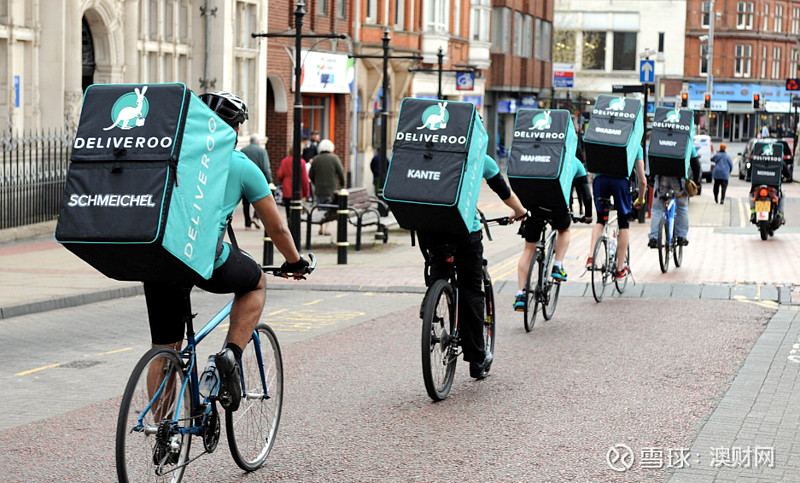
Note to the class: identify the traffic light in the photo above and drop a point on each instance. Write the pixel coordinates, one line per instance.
(707, 101)
(684, 99)
(756, 101)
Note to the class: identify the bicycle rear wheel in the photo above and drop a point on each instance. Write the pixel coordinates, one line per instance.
(677, 254)
(551, 287)
(148, 447)
(489, 320)
(438, 348)
(252, 428)
(663, 245)
(531, 300)
(621, 284)
(600, 269)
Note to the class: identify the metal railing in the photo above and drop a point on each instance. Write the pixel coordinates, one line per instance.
(33, 170)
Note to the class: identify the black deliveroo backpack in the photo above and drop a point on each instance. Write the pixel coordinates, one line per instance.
(766, 164)
(670, 147)
(541, 164)
(613, 135)
(144, 191)
(436, 168)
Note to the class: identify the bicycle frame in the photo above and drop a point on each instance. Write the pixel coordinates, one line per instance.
(669, 215)
(189, 354)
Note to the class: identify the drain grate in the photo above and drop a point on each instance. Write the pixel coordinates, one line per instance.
(80, 364)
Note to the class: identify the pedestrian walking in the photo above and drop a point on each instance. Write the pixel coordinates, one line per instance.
(312, 148)
(723, 165)
(285, 179)
(327, 175)
(260, 158)
(764, 131)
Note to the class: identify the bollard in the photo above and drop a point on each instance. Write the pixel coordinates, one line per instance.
(269, 251)
(341, 227)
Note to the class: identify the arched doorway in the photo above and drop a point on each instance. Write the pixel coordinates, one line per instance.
(279, 129)
(88, 63)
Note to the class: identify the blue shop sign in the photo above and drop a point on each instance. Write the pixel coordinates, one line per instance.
(507, 107)
(530, 102)
(737, 92)
(477, 100)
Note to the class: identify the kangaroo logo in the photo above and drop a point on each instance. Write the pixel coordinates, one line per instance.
(542, 121)
(767, 151)
(617, 104)
(673, 116)
(130, 107)
(435, 117)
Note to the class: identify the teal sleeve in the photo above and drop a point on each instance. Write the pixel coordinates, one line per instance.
(490, 169)
(254, 183)
(580, 170)
(640, 153)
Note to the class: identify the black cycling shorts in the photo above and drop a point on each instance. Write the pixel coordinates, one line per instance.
(531, 228)
(168, 305)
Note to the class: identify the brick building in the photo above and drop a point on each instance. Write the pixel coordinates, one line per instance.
(754, 51)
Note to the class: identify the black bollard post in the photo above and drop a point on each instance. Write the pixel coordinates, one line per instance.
(269, 251)
(341, 227)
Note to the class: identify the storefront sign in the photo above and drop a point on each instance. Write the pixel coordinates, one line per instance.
(324, 72)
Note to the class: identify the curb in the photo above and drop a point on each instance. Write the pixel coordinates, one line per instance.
(777, 294)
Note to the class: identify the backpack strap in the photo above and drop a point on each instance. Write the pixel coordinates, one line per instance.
(231, 237)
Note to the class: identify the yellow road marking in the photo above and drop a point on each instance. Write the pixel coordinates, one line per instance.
(313, 302)
(114, 352)
(276, 312)
(768, 304)
(25, 373)
(742, 216)
(342, 295)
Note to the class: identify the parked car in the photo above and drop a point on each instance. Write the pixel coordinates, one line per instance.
(705, 150)
(746, 156)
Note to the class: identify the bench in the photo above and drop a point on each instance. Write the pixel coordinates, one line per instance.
(363, 210)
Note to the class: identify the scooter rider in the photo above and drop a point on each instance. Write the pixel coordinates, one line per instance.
(786, 175)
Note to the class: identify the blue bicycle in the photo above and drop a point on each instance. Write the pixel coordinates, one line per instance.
(667, 241)
(164, 405)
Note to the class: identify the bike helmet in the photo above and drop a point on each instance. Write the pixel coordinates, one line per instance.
(229, 107)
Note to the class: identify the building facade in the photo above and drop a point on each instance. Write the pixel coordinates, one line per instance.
(520, 74)
(754, 52)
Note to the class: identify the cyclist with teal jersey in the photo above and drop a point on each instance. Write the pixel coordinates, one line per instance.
(235, 271)
(556, 211)
(661, 185)
(605, 186)
(469, 265)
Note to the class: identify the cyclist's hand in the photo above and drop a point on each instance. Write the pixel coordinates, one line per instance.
(296, 269)
(515, 216)
(638, 203)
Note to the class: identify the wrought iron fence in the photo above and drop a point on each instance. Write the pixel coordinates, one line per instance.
(33, 170)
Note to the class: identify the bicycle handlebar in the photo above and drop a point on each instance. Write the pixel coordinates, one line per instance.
(503, 220)
(276, 269)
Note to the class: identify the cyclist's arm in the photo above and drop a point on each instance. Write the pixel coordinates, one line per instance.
(501, 188)
(281, 236)
(641, 180)
(697, 171)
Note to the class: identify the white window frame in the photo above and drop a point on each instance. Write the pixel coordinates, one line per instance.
(481, 21)
(763, 61)
(744, 15)
(436, 16)
(703, 59)
(776, 62)
(372, 12)
(795, 25)
(527, 36)
(399, 14)
(765, 20)
(457, 18)
(516, 44)
(743, 60)
(543, 33)
(705, 14)
(778, 19)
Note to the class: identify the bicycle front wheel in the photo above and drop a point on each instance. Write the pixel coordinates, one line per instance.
(148, 446)
(663, 246)
(551, 287)
(438, 347)
(531, 300)
(252, 428)
(489, 320)
(600, 268)
(677, 254)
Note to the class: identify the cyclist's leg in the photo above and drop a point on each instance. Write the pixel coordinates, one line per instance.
(167, 306)
(599, 190)
(524, 263)
(682, 217)
(657, 210)
(530, 230)
(561, 222)
(624, 205)
(469, 267)
(434, 243)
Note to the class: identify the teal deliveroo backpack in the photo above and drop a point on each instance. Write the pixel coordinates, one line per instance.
(613, 135)
(766, 164)
(670, 147)
(542, 162)
(436, 168)
(144, 190)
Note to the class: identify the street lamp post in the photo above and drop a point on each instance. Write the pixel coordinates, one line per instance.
(710, 54)
(296, 205)
(383, 159)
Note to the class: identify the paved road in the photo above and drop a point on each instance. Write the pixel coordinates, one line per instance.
(627, 371)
